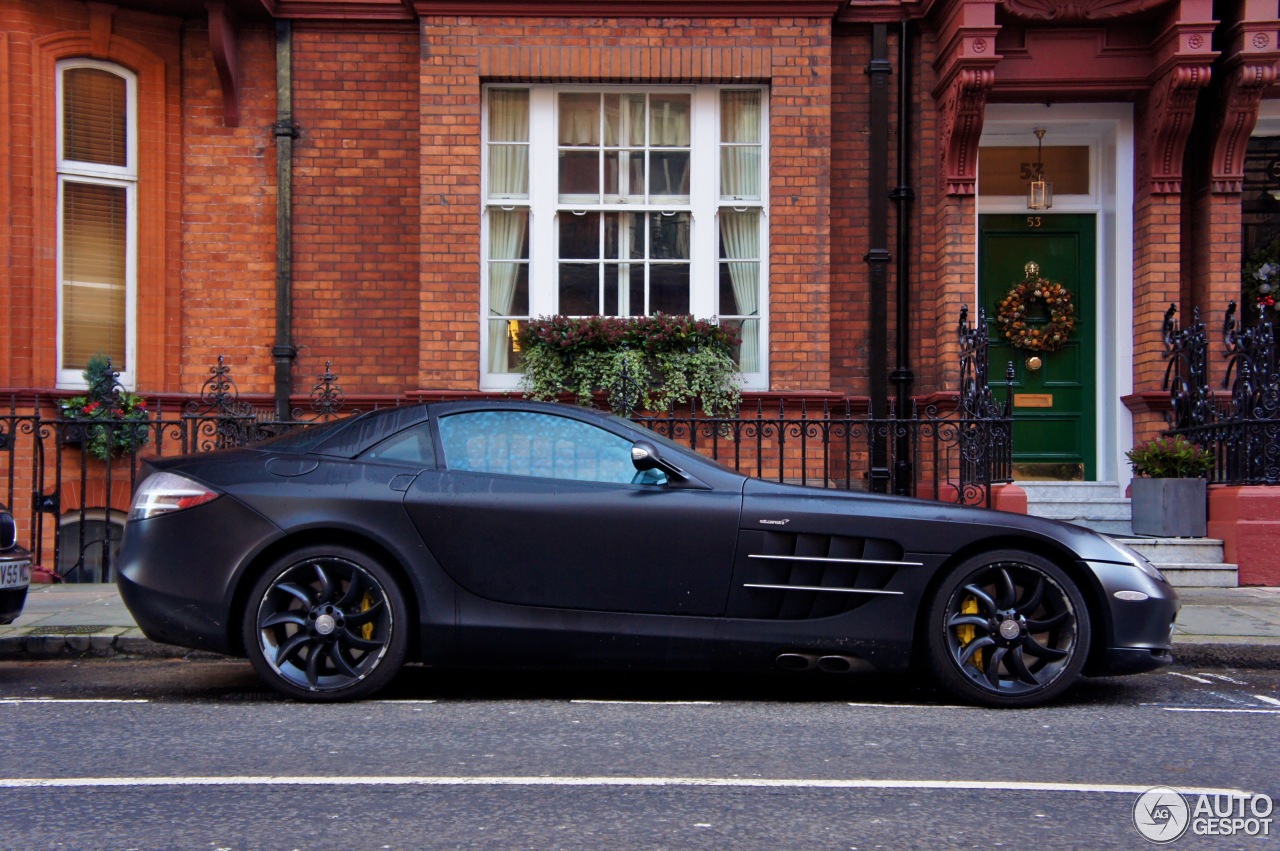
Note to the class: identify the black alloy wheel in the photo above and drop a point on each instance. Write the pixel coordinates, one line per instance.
(1007, 629)
(326, 624)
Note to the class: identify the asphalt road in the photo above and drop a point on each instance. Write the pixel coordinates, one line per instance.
(193, 754)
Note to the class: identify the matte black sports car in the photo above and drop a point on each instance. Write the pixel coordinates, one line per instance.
(520, 535)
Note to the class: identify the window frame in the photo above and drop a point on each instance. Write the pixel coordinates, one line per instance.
(125, 177)
(704, 206)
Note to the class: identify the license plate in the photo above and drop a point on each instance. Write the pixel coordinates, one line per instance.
(15, 574)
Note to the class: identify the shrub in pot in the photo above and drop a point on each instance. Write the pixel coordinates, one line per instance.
(1169, 494)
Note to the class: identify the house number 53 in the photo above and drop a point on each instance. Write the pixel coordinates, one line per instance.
(1033, 221)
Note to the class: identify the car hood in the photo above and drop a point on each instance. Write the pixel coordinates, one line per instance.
(766, 500)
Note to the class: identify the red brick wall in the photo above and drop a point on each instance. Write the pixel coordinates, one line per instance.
(850, 231)
(227, 303)
(356, 199)
(793, 56)
(934, 311)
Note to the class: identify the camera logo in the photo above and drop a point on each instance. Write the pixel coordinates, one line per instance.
(1161, 814)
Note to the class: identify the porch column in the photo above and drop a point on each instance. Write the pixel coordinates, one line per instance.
(966, 73)
(1242, 75)
(1164, 122)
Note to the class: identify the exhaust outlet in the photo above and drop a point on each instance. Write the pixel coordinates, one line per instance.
(835, 664)
(796, 661)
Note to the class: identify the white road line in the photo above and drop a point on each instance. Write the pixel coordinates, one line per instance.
(12, 701)
(650, 702)
(1200, 680)
(912, 706)
(603, 782)
(1224, 678)
(1237, 711)
(1266, 699)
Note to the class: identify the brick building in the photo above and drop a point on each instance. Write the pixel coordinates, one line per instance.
(393, 185)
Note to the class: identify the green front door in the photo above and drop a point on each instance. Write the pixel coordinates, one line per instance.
(1053, 392)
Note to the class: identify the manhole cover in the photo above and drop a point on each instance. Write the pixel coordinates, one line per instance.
(84, 629)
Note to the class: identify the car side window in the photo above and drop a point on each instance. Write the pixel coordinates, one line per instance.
(529, 443)
(412, 446)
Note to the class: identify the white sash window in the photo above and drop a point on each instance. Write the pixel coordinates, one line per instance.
(97, 217)
(620, 201)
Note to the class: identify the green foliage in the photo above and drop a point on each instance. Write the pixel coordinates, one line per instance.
(110, 420)
(654, 362)
(1261, 274)
(1170, 458)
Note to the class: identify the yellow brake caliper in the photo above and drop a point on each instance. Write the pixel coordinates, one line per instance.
(966, 633)
(366, 603)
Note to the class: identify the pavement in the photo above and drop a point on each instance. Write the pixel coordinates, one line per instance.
(1217, 627)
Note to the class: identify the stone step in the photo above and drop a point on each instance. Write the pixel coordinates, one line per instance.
(1100, 506)
(1103, 507)
(1116, 528)
(1178, 550)
(1047, 491)
(1200, 575)
(1188, 562)
(1109, 509)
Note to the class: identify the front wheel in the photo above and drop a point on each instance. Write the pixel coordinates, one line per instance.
(1007, 629)
(326, 624)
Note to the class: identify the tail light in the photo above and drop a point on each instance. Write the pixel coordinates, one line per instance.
(165, 493)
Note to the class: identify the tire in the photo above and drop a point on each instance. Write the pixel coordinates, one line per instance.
(1007, 629)
(326, 624)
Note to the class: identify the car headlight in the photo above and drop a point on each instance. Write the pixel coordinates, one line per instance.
(1135, 558)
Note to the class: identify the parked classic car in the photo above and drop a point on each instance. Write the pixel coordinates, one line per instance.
(15, 569)
(511, 534)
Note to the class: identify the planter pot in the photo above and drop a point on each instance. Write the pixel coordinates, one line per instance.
(1170, 508)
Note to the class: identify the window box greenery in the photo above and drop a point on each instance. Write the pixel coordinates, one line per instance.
(108, 421)
(645, 362)
(1169, 495)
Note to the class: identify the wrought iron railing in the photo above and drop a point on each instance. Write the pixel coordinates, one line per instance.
(1241, 425)
(74, 504)
(956, 453)
(48, 459)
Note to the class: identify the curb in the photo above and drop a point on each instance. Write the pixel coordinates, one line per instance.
(99, 646)
(1226, 655)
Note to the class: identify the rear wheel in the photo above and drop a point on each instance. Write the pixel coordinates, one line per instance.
(1006, 629)
(326, 624)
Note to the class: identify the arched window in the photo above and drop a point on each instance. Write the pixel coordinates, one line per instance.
(88, 543)
(97, 144)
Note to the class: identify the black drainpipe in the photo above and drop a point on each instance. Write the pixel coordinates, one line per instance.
(284, 351)
(877, 257)
(902, 195)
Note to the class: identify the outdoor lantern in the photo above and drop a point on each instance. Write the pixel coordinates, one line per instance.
(1040, 191)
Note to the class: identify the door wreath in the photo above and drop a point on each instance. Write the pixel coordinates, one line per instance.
(1011, 318)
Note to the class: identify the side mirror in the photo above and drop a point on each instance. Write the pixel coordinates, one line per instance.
(644, 456)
